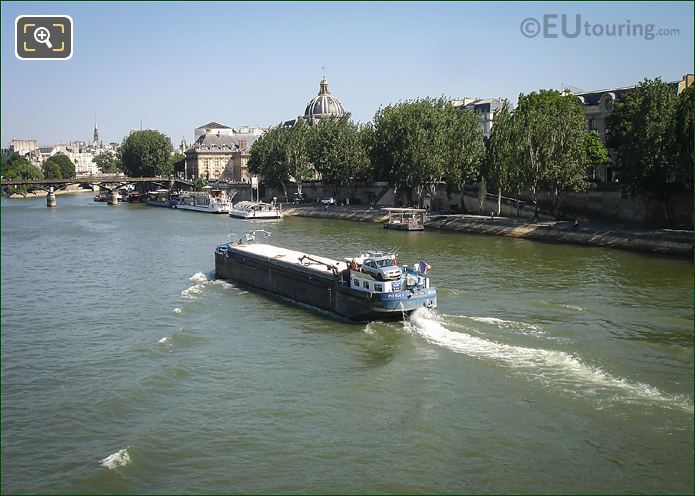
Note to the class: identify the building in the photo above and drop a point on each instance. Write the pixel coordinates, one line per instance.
(79, 152)
(487, 108)
(27, 148)
(220, 152)
(323, 105)
(599, 104)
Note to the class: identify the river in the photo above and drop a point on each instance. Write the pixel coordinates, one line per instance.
(127, 368)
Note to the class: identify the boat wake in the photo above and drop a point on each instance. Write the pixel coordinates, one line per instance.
(118, 459)
(551, 367)
(201, 280)
(519, 327)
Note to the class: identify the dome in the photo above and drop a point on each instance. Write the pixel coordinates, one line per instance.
(324, 105)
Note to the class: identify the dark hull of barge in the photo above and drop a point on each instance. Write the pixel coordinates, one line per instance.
(322, 291)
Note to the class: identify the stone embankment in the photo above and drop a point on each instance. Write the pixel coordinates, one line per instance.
(666, 241)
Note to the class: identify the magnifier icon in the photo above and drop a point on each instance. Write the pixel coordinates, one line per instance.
(43, 35)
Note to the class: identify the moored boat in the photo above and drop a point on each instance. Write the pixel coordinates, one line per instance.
(213, 201)
(161, 198)
(371, 286)
(406, 219)
(256, 210)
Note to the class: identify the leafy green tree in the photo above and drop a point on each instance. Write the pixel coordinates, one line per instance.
(595, 149)
(268, 159)
(51, 170)
(337, 153)
(282, 155)
(502, 155)
(20, 169)
(463, 147)
(650, 142)
(67, 168)
(415, 148)
(177, 163)
(146, 154)
(108, 163)
(684, 137)
(550, 133)
(296, 145)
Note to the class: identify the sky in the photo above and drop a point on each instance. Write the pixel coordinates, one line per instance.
(179, 65)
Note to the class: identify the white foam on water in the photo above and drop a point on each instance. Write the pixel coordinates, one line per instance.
(573, 307)
(522, 327)
(368, 329)
(177, 310)
(118, 459)
(556, 368)
(222, 283)
(198, 277)
(164, 340)
(192, 292)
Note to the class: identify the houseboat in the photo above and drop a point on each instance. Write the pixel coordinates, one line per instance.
(161, 198)
(256, 210)
(406, 219)
(371, 286)
(214, 201)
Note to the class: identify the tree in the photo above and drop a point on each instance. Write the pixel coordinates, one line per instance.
(108, 163)
(177, 163)
(502, 155)
(146, 154)
(268, 159)
(684, 137)
(296, 144)
(51, 170)
(419, 144)
(337, 153)
(596, 151)
(19, 169)
(550, 133)
(463, 147)
(650, 142)
(63, 163)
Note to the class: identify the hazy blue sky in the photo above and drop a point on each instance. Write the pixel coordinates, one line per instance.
(180, 65)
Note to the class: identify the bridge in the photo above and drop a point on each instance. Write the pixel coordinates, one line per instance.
(109, 182)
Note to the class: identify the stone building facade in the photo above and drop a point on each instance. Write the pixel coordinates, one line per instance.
(221, 152)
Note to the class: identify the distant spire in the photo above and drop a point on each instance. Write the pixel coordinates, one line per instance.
(140, 123)
(96, 130)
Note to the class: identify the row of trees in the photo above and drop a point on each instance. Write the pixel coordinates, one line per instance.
(541, 146)
(420, 144)
(335, 148)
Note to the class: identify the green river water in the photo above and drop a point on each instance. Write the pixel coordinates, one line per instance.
(127, 368)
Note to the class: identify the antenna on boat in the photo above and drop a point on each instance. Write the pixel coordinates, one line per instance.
(251, 235)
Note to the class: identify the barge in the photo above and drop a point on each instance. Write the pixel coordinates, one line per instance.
(371, 286)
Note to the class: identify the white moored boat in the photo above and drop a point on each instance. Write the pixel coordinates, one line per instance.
(256, 210)
(214, 201)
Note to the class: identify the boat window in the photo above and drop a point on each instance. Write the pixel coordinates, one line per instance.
(365, 284)
(378, 287)
(356, 282)
(385, 263)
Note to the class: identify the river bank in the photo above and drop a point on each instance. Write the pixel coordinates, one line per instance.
(664, 241)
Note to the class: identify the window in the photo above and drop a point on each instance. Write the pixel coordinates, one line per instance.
(356, 282)
(365, 284)
(378, 287)
(592, 125)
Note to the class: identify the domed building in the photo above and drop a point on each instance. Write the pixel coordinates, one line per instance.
(323, 105)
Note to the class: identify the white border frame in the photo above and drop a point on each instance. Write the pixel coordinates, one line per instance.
(72, 34)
